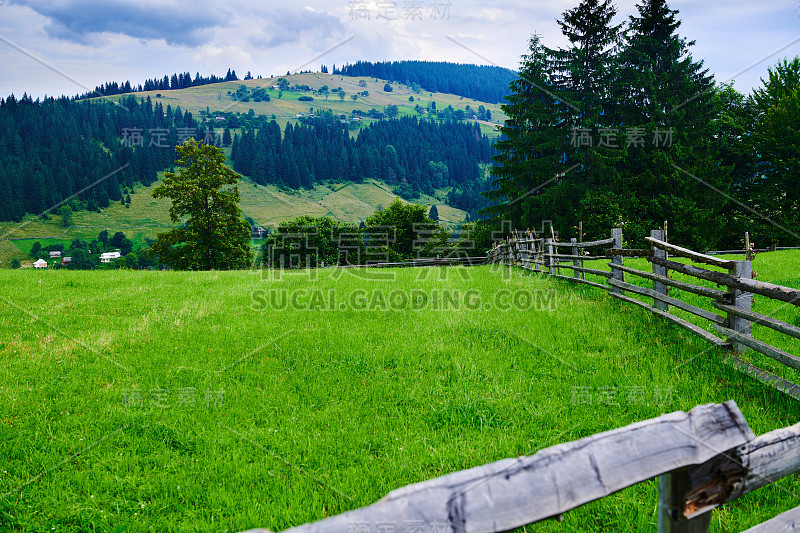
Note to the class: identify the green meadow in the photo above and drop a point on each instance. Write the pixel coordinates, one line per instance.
(222, 401)
(266, 205)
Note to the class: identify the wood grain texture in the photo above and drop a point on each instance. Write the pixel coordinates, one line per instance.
(695, 289)
(696, 257)
(759, 319)
(644, 291)
(770, 290)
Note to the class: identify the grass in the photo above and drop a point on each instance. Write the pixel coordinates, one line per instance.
(325, 410)
(147, 216)
(780, 268)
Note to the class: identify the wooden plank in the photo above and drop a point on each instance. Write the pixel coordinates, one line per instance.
(700, 332)
(761, 347)
(624, 252)
(603, 273)
(741, 300)
(770, 290)
(579, 280)
(695, 289)
(760, 319)
(581, 257)
(659, 270)
(788, 522)
(752, 465)
(602, 242)
(644, 291)
(575, 262)
(690, 254)
(616, 234)
(764, 376)
(511, 493)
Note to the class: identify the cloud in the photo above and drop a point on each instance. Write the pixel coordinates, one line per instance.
(290, 26)
(84, 21)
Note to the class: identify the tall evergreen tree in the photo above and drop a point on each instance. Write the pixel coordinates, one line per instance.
(532, 148)
(669, 98)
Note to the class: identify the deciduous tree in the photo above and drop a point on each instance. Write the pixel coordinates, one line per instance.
(214, 236)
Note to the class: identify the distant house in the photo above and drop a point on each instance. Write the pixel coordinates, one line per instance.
(65, 261)
(108, 256)
(274, 87)
(299, 115)
(40, 263)
(219, 119)
(55, 254)
(257, 232)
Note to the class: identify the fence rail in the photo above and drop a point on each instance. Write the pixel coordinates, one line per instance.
(703, 458)
(732, 325)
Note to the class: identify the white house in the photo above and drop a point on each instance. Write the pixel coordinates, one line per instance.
(55, 254)
(108, 256)
(40, 263)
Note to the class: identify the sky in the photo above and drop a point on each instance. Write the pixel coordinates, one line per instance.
(55, 47)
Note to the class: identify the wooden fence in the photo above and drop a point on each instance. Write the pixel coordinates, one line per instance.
(703, 459)
(732, 323)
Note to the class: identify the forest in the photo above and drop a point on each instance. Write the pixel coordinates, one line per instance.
(52, 149)
(167, 83)
(479, 82)
(414, 155)
(625, 128)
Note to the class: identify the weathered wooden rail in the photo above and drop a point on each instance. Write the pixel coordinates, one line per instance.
(702, 459)
(732, 324)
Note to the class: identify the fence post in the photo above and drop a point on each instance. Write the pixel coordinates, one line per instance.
(672, 489)
(742, 300)
(580, 239)
(616, 234)
(660, 270)
(550, 261)
(575, 262)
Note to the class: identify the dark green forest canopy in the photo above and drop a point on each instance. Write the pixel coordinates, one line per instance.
(53, 149)
(624, 128)
(421, 155)
(479, 82)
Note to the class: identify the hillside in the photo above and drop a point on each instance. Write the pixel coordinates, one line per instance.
(147, 216)
(215, 98)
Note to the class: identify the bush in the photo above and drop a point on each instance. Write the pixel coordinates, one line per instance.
(305, 99)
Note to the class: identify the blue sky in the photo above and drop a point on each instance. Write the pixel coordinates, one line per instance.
(65, 46)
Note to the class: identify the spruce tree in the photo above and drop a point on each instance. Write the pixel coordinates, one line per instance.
(668, 99)
(533, 142)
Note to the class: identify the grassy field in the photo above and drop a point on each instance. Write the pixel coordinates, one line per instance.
(782, 268)
(215, 98)
(221, 401)
(267, 205)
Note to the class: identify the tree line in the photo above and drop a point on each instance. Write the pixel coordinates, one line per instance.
(55, 149)
(479, 82)
(624, 127)
(414, 155)
(181, 80)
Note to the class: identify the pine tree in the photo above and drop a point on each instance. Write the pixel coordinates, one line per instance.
(668, 99)
(532, 147)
